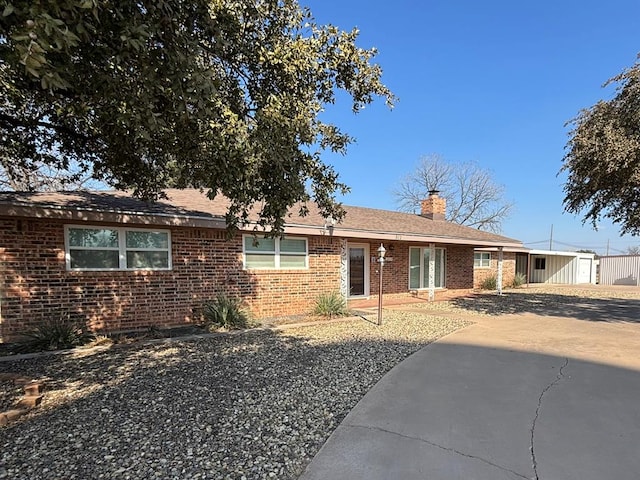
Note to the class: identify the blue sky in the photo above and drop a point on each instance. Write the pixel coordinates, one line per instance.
(492, 82)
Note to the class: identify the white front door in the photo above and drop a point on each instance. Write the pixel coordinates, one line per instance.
(358, 270)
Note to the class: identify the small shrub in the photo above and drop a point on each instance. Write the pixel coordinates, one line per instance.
(225, 311)
(489, 283)
(519, 280)
(57, 334)
(330, 305)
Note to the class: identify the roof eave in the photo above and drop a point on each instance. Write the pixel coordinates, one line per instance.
(86, 214)
(518, 249)
(115, 216)
(395, 236)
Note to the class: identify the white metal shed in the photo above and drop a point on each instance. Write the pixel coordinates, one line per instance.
(620, 270)
(550, 266)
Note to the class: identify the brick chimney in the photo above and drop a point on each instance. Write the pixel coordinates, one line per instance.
(434, 206)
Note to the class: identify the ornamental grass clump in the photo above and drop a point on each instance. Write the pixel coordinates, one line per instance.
(331, 304)
(57, 334)
(518, 280)
(489, 283)
(225, 312)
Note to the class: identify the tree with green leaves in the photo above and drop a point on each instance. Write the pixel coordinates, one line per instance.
(603, 157)
(220, 95)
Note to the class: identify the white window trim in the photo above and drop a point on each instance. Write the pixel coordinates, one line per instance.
(367, 269)
(443, 270)
(121, 248)
(482, 259)
(276, 254)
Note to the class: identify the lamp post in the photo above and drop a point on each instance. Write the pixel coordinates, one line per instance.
(381, 253)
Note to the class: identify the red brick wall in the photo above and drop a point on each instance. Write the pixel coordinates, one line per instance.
(508, 270)
(458, 265)
(292, 292)
(35, 285)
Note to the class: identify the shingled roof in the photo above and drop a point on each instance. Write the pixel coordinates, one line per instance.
(192, 207)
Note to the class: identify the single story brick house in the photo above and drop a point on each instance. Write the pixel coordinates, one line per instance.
(515, 260)
(122, 263)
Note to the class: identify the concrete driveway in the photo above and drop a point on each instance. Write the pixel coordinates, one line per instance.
(511, 397)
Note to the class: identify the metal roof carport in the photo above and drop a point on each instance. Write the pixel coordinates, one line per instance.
(550, 266)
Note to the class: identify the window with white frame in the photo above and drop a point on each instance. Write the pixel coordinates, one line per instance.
(482, 259)
(275, 253)
(419, 262)
(115, 248)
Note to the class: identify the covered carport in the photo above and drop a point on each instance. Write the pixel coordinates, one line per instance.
(551, 266)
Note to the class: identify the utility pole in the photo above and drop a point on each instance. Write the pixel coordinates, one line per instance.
(551, 238)
(607, 247)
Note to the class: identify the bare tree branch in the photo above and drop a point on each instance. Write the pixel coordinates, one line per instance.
(473, 197)
(23, 178)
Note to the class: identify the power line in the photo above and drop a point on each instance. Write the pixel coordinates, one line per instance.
(570, 245)
(623, 246)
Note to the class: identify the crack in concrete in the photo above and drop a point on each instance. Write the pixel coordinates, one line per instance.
(442, 447)
(558, 378)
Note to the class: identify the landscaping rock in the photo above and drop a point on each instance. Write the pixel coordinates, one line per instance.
(254, 405)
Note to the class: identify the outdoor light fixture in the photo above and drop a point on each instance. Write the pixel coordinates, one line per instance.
(329, 225)
(381, 253)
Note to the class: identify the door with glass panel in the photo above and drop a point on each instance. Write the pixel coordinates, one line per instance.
(419, 264)
(358, 270)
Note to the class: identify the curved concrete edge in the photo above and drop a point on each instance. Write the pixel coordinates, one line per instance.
(506, 398)
(390, 433)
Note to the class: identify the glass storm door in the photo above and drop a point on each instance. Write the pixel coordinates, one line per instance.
(358, 271)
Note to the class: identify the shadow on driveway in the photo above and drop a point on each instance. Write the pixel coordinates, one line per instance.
(553, 304)
(454, 412)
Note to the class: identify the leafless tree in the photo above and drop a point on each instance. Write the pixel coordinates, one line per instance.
(473, 197)
(632, 250)
(18, 177)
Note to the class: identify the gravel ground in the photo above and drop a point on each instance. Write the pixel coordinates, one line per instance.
(244, 406)
(600, 303)
(9, 394)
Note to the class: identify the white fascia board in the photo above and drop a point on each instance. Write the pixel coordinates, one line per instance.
(557, 253)
(519, 249)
